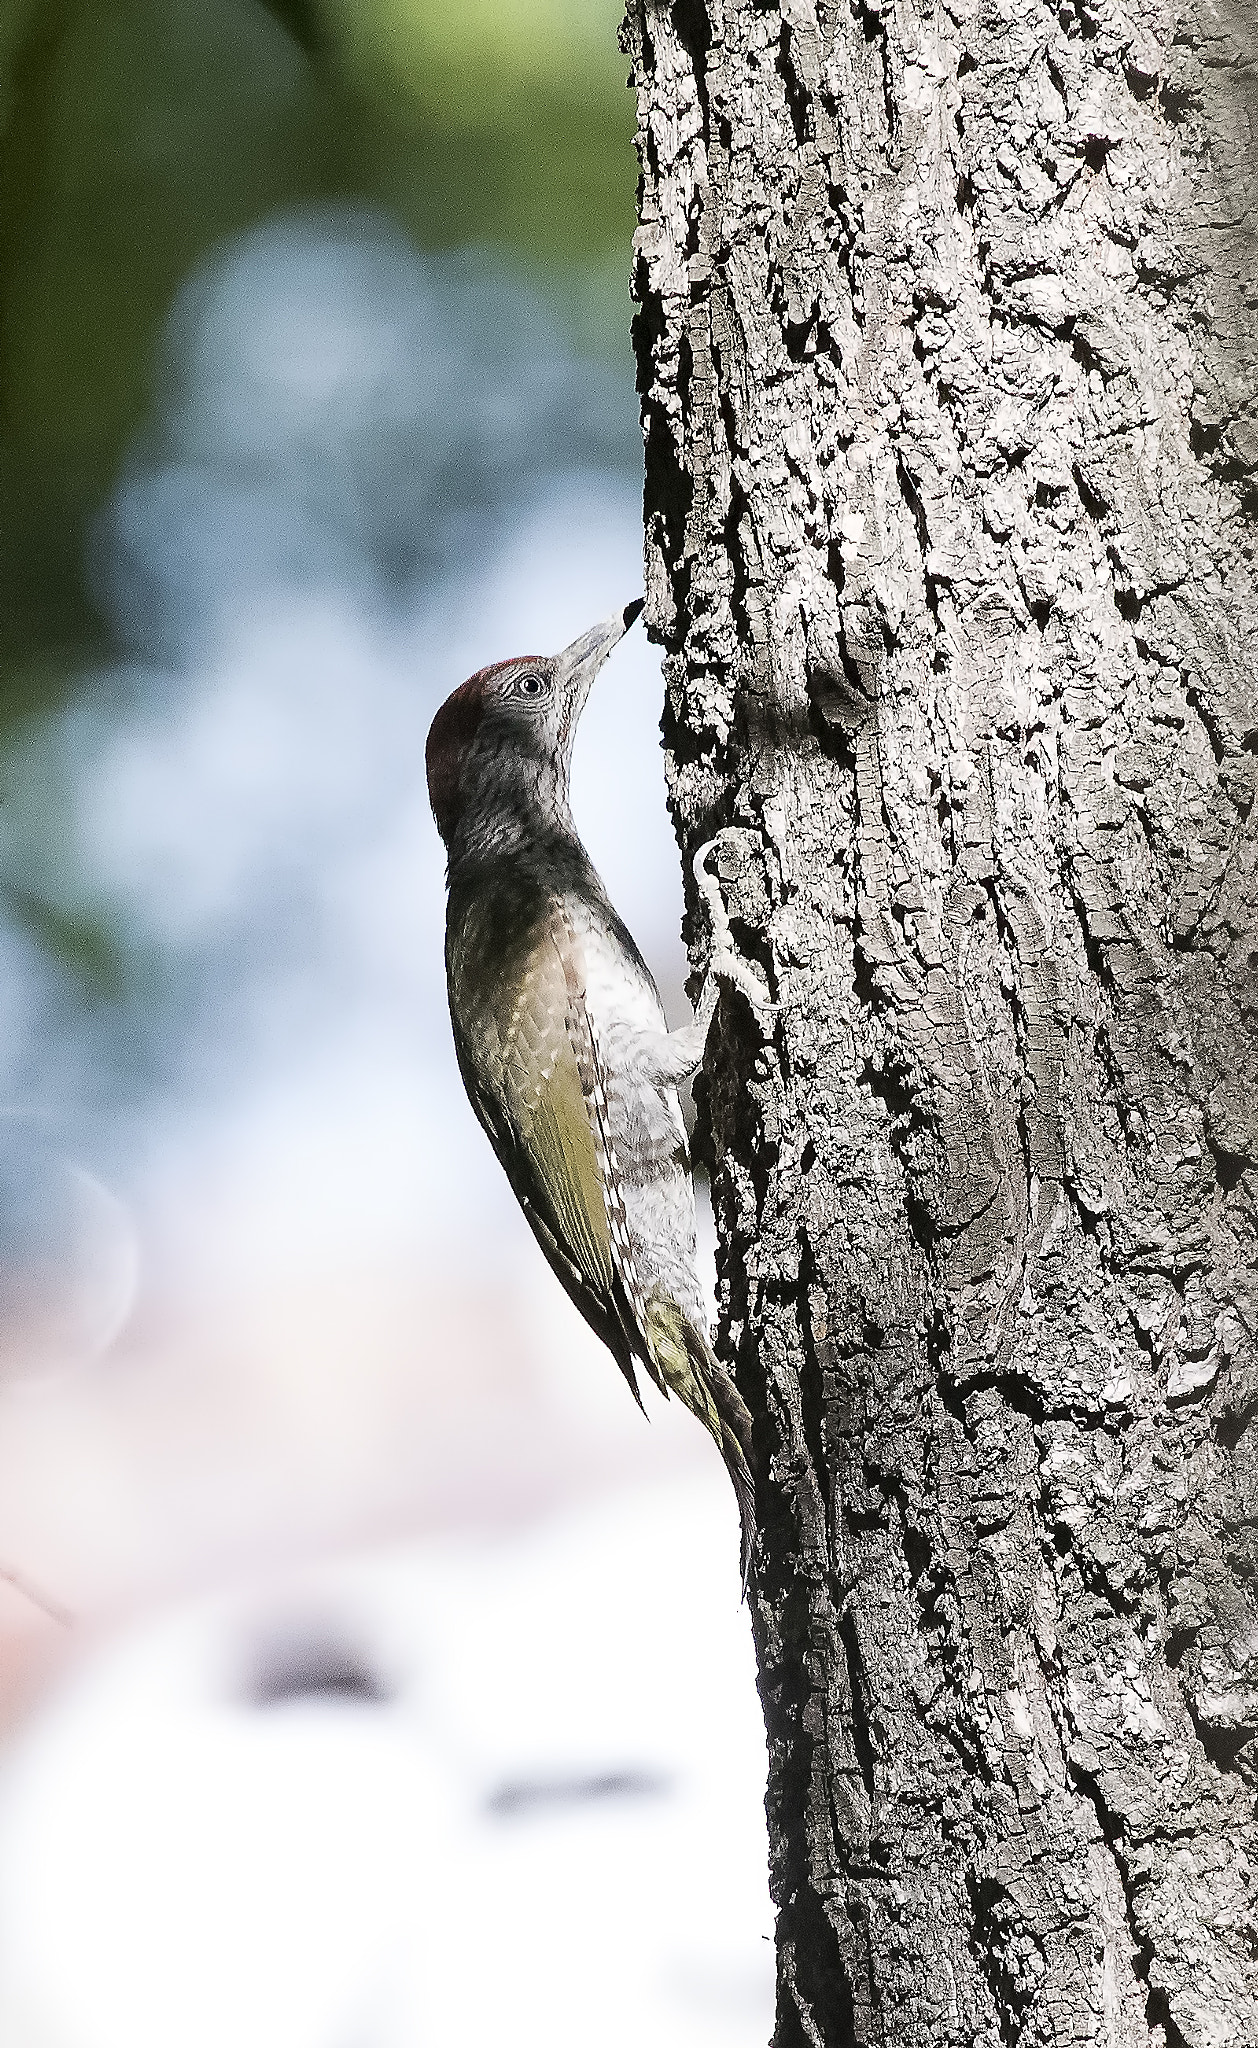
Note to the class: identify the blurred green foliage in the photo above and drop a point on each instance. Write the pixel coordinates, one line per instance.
(136, 133)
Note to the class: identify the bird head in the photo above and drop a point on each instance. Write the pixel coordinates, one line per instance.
(501, 745)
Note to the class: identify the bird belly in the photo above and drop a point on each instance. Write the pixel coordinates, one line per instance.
(646, 1129)
(618, 991)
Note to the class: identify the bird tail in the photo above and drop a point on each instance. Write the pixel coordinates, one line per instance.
(735, 1444)
(683, 1362)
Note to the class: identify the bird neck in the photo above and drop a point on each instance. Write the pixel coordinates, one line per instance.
(516, 811)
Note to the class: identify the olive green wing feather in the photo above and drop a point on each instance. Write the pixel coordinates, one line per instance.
(533, 1082)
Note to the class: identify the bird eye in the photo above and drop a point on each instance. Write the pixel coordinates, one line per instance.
(532, 685)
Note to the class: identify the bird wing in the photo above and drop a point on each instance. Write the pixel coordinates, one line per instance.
(540, 1093)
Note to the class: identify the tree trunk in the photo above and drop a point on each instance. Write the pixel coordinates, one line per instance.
(951, 439)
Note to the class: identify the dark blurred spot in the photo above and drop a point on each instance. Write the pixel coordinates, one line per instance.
(315, 1668)
(527, 1795)
(83, 943)
(301, 19)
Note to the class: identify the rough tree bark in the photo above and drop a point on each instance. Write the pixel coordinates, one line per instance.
(951, 441)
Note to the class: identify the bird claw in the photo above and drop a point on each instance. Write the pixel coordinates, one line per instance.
(724, 963)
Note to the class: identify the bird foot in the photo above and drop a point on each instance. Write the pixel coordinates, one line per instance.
(724, 964)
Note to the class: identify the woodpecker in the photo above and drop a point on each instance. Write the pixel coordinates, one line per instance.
(561, 1037)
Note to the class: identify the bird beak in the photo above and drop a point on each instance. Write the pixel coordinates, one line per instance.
(580, 663)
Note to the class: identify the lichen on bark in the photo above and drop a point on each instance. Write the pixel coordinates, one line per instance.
(951, 420)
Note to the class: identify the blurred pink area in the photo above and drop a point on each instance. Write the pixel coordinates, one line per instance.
(254, 1418)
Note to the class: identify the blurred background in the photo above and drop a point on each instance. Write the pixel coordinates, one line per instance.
(370, 1673)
